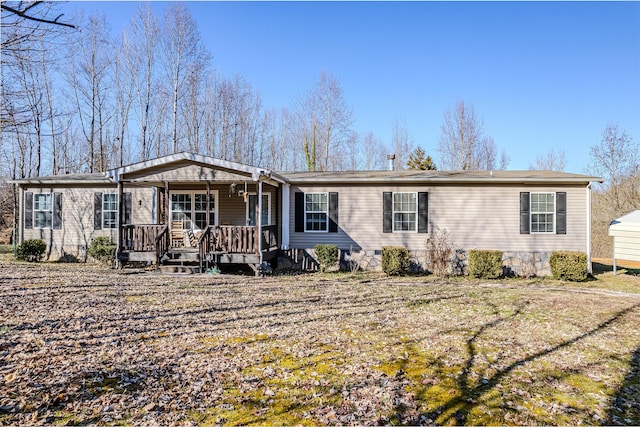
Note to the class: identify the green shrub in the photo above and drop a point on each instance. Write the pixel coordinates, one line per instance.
(569, 266)
(395, 260)
(327, 255)
(31, 250)
(102, 249)
(485, 264)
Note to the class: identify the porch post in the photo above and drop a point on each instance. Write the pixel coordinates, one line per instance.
(208, 220)
(20, 217)
(259, 218)
(120, 221)
(166, 203)
(284, 218)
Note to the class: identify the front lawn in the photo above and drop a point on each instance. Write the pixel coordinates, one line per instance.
(85, 344)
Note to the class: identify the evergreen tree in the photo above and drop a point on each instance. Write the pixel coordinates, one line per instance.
(418, 160)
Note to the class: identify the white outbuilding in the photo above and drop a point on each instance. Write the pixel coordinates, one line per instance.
(626, 237)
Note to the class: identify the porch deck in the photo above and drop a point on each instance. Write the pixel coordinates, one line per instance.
(226, 244)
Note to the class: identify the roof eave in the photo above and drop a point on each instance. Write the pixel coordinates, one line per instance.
(435, 180)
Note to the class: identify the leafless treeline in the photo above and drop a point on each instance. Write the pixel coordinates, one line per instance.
(80, 100)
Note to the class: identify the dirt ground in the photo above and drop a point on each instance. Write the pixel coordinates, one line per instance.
(82, 344)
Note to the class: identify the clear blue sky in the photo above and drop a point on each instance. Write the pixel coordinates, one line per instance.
(542, 75)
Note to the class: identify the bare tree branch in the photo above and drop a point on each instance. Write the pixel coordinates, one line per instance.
(23, 14)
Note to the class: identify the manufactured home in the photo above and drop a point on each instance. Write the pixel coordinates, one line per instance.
(187, 206)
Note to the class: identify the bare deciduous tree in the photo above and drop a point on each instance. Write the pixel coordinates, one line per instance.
(552, 160)
(324, 116)
(616, 159)
(463, 144)
(401, 143)
(374, 152)
(140, 48)
(183, 55)
(89, 80)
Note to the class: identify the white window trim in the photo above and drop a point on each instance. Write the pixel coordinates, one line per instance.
(531, 213)
(50, 210)
(265, 193)
(214, 193)
(116, 211)
(326, 230)
(393, 212)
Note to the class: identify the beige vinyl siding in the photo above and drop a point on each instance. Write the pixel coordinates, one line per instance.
(186, 173)
(233, 210)
(77, 229)
(476, 217)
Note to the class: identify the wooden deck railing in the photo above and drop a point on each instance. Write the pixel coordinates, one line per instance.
(163, 240)
(140, 237)
(223, 239)
(269, 237)
(235, 239)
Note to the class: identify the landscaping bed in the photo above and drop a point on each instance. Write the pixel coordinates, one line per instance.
(80, 343)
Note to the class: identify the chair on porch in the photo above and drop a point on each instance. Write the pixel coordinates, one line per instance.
(177, 234)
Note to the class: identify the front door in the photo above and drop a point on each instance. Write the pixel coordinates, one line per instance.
(266, 209)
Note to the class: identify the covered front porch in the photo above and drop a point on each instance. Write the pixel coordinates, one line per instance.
(215, 245)
(205, 212)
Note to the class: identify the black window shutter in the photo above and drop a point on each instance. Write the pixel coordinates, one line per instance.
(97, 211)
(423, 212)
(561, 213)
(333, 212)
(57, 211)
(387, 212)
(28, 210)
(127, 208)
(524, 213)
(299, 212)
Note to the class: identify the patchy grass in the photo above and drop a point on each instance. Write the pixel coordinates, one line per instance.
(6, 253)
(89, 345)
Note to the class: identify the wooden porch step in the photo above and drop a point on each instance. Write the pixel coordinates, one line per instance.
(183, 255)
(179, 269)
(180, 261)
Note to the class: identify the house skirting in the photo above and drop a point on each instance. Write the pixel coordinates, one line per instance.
(515, 263)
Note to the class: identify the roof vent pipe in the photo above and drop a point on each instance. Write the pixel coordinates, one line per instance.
(391, 158)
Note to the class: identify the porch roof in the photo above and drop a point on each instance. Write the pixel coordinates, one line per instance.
(256, 173)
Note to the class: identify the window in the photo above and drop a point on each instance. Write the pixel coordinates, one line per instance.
(266, 209)
(191, 208)
(200, 210)
(42, 209)
(316, 208)
(543, 212)
(181, 209)
(109, 210)
(316, 212)
(405, 211)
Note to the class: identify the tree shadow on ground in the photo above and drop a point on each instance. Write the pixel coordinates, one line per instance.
(625, 404)
(457, 409)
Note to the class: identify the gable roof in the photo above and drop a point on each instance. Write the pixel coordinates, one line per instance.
(330, 177)
(194, 158)
(461, 177)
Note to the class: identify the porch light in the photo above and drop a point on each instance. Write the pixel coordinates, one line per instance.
(232, 189)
